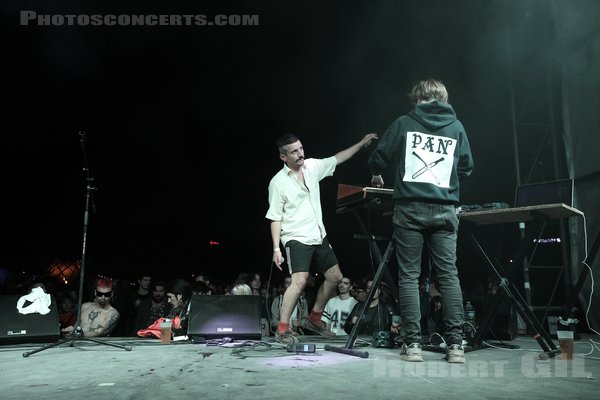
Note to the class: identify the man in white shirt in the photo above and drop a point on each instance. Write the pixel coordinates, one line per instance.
(297, 222)
(338, 308)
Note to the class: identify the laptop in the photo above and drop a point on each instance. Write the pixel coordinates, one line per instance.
(552, 192)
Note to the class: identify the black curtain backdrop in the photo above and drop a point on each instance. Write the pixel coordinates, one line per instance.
(181, 121)
(578, 37)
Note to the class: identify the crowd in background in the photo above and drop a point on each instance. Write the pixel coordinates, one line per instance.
(130, 307)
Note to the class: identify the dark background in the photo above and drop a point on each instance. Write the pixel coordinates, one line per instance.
(181, 121)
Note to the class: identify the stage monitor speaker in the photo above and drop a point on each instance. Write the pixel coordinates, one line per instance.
(18, 328)
(213, 317)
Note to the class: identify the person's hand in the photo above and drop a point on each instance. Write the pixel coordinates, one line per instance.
(377, 181)
(369, 137)
(278, 258)
(67, 331)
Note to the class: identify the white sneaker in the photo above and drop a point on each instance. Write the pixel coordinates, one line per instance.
(412, 352)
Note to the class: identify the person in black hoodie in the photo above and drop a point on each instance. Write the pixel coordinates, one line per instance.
(431, 152)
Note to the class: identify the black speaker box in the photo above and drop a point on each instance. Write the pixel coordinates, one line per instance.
(27, 328)
(213, 317)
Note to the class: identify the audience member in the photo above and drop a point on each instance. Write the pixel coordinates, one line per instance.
(121, 300)
(201, 289)
(202, 277)
(241, 289)
(255, 285)
(134, 298)
(242, 284)
(98, 318)
(299, 313)
(152, 308)
(338, 308)
(179, 294)
(143, 290)
(67, 311)
(359, 291)
(376, 317)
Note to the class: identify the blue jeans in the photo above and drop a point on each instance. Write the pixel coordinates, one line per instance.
(436, 225)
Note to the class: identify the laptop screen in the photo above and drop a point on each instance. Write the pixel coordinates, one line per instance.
(533, 194)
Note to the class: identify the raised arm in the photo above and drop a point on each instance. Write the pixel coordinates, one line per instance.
(346, 154)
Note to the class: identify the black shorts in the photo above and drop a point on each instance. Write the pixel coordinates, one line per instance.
(300, 256)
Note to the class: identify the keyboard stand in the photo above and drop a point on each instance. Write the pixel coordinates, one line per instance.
(538, 217)
(382, 272)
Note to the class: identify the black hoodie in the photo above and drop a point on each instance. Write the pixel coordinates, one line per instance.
(431, 150)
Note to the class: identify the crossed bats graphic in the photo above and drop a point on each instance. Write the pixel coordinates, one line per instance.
(427, 167)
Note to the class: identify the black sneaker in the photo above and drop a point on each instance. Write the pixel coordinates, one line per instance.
(321, 330)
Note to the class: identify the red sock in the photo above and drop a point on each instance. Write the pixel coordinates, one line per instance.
(283, 327)
(315, 317)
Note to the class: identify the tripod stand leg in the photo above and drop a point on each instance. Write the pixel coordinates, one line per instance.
(352, 337)
(50, 345)
(72, 340)
(488, 318)
(540, 335)
(520, 305)
(347, 351)
(128, 348)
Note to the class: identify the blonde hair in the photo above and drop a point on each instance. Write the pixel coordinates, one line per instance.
(241, 289)
(428, 90)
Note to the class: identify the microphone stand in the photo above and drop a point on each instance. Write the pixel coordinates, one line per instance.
(77, 333)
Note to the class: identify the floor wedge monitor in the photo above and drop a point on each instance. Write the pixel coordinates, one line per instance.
(213, 317)
(27, 328)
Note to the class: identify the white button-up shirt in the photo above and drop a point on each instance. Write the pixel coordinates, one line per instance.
(298, 206)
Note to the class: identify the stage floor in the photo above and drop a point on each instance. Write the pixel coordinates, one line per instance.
(257, 370)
